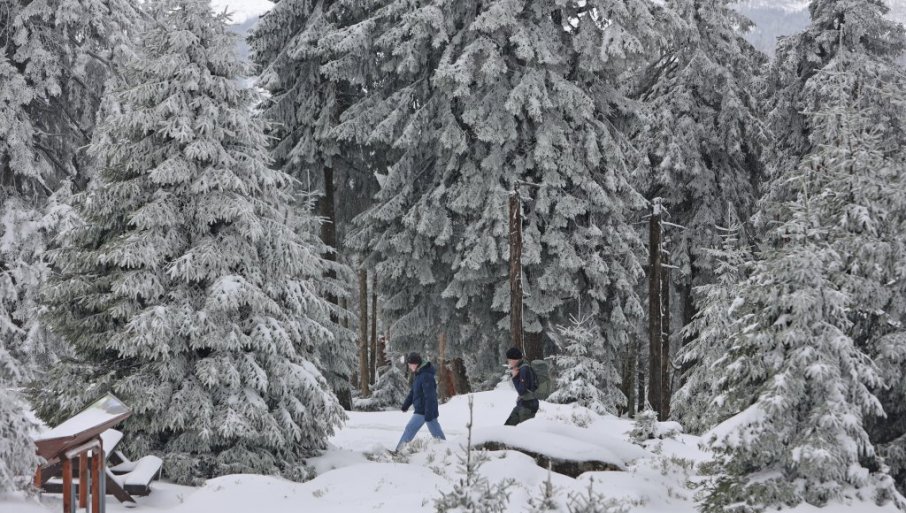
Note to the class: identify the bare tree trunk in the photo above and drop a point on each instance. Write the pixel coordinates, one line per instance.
(664, 412)
(363, 332)
(373, 356)
(515, 239)
(654, 309)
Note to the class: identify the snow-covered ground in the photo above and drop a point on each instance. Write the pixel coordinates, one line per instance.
(357, 473)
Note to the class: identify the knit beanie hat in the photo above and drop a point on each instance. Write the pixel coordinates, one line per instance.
(513, 353)
(414, 358)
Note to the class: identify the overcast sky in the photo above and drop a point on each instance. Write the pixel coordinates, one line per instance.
(242, 9)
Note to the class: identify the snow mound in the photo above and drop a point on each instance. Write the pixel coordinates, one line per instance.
(561, 442)
(367, 486)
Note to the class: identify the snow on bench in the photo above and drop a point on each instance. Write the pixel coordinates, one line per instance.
(569, 450)
(135, 476)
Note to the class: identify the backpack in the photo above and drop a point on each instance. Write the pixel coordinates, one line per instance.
(542, 371)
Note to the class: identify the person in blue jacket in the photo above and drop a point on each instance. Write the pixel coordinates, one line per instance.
(423, 396)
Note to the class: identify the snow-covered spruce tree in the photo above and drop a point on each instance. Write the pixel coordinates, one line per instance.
(389, 389)
(586, 374)
(869, 34)
(701, 132)
(475, 99)
(867, 212)
(698, 404)
(302, 106)
(594, 502)
(17, 450)
(645, 427)
(54, 60)
(802, 438)
(869, 227)
(546, 499)
(473, 493)
(188, 291)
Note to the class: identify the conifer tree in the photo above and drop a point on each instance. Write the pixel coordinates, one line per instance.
(805, 383)
(701, 132)
(585, 375)
(869, 141)
(389, 389)
(474, 493)
(474, 99)
(55, 58)
(192, 291)
(546, 500)
(302, 106)
(17, 453)
(699, 404)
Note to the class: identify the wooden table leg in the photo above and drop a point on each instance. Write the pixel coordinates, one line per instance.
(67, 486)
(83, 480)
(98, 475)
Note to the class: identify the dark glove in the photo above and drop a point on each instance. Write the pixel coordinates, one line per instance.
(404, 410)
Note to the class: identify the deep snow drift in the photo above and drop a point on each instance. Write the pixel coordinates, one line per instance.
(357, 473)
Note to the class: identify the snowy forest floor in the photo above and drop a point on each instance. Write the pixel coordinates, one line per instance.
(358, 474)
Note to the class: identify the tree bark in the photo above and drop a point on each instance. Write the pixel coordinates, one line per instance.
(460, 379)
(515, 240)
(363, 332)
(534, 346)
(654, 310)
(664, 412)
(373, 356)
(382, 359)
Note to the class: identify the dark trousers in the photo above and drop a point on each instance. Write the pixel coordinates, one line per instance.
(519, 414)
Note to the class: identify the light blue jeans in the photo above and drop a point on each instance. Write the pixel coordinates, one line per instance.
(416, 423)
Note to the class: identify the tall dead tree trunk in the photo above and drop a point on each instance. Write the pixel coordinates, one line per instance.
(655, 331)
(372, 362)
(515, 240)
(363, 332)
(664, 412)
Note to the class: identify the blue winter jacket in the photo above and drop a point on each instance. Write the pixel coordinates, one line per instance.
(423, 393)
